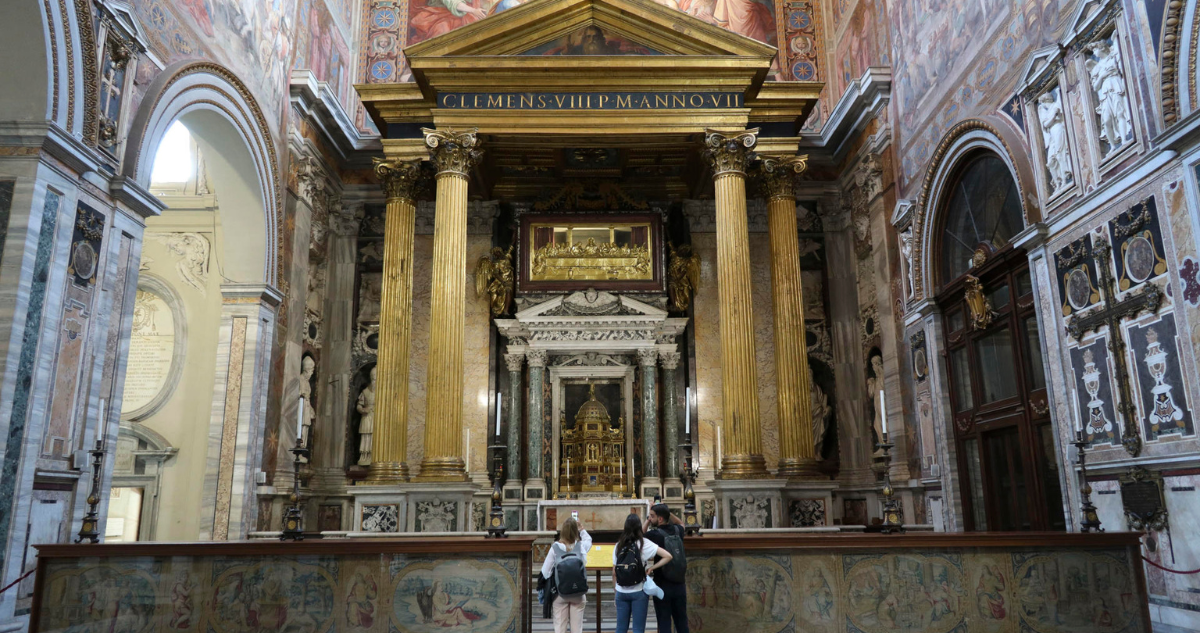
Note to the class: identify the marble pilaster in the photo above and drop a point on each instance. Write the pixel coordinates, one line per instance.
(238, 415)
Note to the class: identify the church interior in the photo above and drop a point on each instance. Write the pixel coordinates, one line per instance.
(324, 315)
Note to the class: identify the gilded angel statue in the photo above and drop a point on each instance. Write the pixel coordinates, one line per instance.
(683, 276)
(494, 275)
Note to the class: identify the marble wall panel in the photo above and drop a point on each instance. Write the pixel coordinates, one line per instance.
(476, 360)
(418, 355)
(706, 320)
(1183, 505)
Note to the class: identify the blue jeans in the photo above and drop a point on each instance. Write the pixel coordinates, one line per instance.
(632, 605)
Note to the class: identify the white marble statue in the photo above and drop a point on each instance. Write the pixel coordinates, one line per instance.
(1116, 126)
(906, 251)
(874, 385)
(307, 367)
(366, 424)
(1054, 136)
(751, 513)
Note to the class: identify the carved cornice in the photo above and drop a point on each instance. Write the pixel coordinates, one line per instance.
(777, 175)
(453, 152)
(400, 180)
(729, 153)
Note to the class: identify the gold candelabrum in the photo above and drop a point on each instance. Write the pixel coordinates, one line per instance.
(593, 451)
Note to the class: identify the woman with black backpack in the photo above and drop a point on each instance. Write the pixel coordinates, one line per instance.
(564, 573)
(631, 566)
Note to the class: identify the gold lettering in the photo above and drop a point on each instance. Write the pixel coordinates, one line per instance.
(526, 98)
(714, 99)
(509, 100)
(623, 101)
(644, 104)
(676, 101)
(541, 101)
(559, 99)
(589, 102)
(476, 100)
(603, 102)
(495, 101)
(692, 101)
(660, 101)
(446, 101)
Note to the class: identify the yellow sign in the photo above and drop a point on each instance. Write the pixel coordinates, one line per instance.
(600, 557)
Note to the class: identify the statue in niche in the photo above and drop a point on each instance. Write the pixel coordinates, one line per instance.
(819, 405)
(1054, 136)
(1104, 69)
(307, 367)
(494, 275)
(366, 424)
(683, 276)
(906, 251)
(874, 386)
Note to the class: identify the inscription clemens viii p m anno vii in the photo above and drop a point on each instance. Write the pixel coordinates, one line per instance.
(590, 100)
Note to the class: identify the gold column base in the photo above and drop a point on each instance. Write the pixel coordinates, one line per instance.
(438, 469)
(387, 473)
(801, 469)
(743, 467)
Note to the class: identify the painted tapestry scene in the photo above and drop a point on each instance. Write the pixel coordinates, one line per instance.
(511, 316)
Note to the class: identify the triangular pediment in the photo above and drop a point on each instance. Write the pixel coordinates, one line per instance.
(626, 25)
(591, 303)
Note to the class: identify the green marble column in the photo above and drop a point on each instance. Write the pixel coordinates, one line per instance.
(670, 362)
(514, 362)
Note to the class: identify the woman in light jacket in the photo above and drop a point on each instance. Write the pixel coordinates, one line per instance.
(566, 610)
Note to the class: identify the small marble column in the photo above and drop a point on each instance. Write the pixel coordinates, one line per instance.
(651, 483)
(670, 362)
(514, 362)
(537, 383)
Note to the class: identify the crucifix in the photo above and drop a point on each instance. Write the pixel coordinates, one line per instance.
(1111, 315)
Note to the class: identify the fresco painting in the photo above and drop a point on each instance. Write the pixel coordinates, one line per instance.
(592, 40)
(321, 48)
(859, 44)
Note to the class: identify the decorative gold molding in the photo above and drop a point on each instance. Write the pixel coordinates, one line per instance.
(453, 152)
(400, 180)
(977, 302)
(1170, 61)
(729, 152)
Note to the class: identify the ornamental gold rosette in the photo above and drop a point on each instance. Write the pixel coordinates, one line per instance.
(729, 152)
(451, 151)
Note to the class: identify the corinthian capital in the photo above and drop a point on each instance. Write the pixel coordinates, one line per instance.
(729, 152)
(399, 179)
(536, 357)
(452, 151)
(778, 174)
(514, 361)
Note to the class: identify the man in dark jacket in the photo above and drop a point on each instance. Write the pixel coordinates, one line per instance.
(673, 605)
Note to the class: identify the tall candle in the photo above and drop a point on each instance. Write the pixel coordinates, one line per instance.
(687, 411)
(300, 418)
(883, 411)
(103, 414)
(499, 404)
(568, 472)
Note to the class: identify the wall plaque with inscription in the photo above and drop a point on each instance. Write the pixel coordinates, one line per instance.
(151, 351)
(1142, 498)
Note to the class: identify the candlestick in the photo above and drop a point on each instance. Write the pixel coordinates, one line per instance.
(499, 404)
(687, 411)
(1090, 519)
(293, 516)
(892, 521)
(300, 419)
(883, 411)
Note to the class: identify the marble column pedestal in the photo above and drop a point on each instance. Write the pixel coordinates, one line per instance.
(808, 504)
(750, 503)
(650, 488)
(413, 507)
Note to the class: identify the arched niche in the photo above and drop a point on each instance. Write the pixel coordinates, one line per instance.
(240, 157)
(157, 308)
(962, 141)
(141, 456)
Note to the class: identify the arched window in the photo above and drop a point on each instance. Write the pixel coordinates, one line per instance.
(1002, 430)
(983, 209)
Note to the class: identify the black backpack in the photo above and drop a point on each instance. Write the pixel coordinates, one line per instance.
(630, 570)
(570, 573)
(676, 570)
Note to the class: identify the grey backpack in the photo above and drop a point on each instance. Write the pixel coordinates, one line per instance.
(570, 573)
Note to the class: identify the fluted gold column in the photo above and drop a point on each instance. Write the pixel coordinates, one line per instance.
(399, 181)
(728, 154)
(453, 153)
(796, 457)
